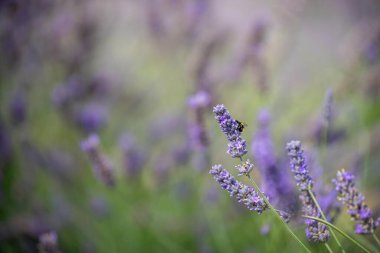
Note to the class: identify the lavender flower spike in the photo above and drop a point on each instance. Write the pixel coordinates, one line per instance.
(102, 166)
(316, 231)
(244, 194)
(48, 243)
(354, 200)
(237, 146)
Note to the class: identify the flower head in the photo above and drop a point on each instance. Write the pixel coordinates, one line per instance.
(244, 194)
(354, 201)
(237, 146)
(101, 165)
(315, 231)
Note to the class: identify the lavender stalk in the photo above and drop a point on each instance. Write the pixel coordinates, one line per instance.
(354, 201)
(102, 166)
(315, 232)
(252, 197)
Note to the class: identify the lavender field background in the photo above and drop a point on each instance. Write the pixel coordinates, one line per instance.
(138, 81)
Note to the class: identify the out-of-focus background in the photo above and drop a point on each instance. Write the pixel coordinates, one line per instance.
(144, 76)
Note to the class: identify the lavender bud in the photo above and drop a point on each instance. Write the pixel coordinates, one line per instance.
(354, 201)
(244, 194)
(315, 231)
(237, 146)
(48, 243)
(244, 168)
(101, 165)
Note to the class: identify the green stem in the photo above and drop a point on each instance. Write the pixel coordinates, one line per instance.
(324, 217)
(339, 230)
(328, 247)
(276, 214)
(376, 239)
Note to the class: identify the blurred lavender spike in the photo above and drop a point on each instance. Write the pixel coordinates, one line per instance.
(315, 231)
(154, 19)
(354, 201)
(5, 146)
(197, 132)
(17, 108)
(276, 183)
(48, 243)
(134, 158)
(101, 165)
(237, 146)
(92, 117)
(65, 93)
(327, 197)
(255, 53)
(328, 108)
(197, 11)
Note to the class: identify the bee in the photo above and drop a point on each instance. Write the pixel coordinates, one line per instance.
(241, 125)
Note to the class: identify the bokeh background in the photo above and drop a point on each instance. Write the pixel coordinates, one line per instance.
(144, 76)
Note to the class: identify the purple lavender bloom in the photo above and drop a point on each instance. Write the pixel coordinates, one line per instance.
(134, 157)
(244, 194)
(354, 201)
(237, 146)
(66, 92)
(315, 231)
(5, 146)
(262, 145)
(48, 243)
(276, 183)
(102, 166)
(17, 108)
(92, 117)
(200, 99)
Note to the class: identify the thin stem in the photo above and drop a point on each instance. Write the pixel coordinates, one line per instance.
(324, 217)
(376, 239)
(276, 214)
(339, 230)
(328, 247)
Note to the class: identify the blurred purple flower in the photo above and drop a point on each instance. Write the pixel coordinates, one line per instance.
(67, 92)
(92, 117)
(328, 108)
(101, 165)
(17, 108)
(201, 99)
(354, 201)
(315, 231)
(181, 154)
(276, 182)
(48, 243)
(134, 158)
(99, 206)
(262, 146)
(265, 229)
(5, 146)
